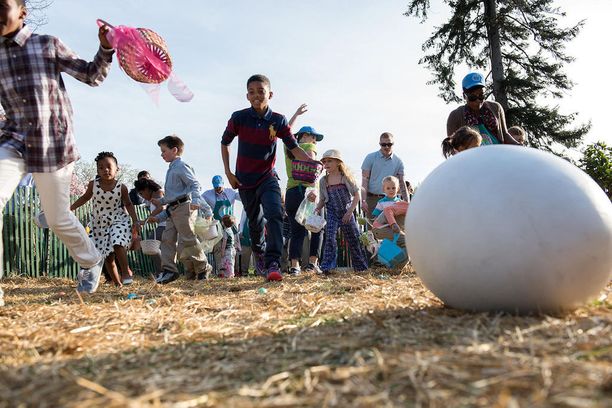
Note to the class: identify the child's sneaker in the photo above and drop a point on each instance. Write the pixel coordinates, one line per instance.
(294, 271)
(260, 263)
(314, 268)
(89, 279)
(274, 273)
(167, 277)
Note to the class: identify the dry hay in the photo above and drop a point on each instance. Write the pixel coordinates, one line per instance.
(348, 340)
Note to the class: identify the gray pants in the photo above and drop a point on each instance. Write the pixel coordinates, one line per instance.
(217, 249)
(179, 237)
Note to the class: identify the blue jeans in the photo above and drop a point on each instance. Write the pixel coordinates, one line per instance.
(293, 199)
(263, 207)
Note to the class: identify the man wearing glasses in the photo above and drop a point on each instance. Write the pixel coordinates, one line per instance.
(375, 168)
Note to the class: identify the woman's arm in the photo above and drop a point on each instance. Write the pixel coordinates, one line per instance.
(454, 121)
(84, 198)
(508, 138)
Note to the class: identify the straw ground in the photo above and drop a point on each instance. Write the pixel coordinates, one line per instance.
(348, 340)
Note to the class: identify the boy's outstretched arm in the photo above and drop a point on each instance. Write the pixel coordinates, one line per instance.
(91, 73)
(231, 177)
(300, 154)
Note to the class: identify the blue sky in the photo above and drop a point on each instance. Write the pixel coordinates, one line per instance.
(354, 63)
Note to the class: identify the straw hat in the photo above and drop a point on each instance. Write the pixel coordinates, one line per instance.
(332, 154)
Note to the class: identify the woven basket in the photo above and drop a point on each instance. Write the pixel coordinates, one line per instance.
(150, 246)
(140, 68)
(141, 53)
(306, 172)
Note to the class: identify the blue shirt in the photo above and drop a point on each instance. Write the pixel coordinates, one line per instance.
(257, 137)
(380, 167)
(181, 182)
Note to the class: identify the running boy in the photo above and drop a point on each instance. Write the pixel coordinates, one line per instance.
(258, 129)
(182, 200)
(37, 136)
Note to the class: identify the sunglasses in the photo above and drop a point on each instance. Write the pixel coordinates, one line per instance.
(473, 98)
(386, 144)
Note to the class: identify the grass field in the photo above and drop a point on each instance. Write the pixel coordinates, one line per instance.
(347, 340)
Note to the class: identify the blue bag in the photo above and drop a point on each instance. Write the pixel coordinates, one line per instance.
(390, 254)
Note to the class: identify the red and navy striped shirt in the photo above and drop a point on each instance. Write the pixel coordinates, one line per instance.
(257, 136)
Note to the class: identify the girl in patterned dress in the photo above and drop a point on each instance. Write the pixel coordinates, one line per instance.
(110, 223)
(340, 195)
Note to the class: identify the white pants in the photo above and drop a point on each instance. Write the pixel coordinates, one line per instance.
(54, 191)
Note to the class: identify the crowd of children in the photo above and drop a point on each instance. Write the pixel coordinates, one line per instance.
(32, 141)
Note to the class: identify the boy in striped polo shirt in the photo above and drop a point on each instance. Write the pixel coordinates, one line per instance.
(258, 129)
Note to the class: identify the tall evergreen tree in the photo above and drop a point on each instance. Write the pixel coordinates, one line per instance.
(521, 45)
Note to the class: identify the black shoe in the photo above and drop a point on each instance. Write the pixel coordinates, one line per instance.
(167, 277)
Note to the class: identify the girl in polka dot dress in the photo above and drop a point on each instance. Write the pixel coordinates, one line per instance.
(110, 224)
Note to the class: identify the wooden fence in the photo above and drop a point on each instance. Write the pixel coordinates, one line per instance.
(34, 252)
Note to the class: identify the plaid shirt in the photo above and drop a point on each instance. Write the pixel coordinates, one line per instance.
(32, 92)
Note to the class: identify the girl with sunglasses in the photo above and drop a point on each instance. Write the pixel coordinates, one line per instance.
(486, 117)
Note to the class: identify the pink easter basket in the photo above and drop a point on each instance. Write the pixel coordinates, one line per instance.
(143, 55)
(306, 172)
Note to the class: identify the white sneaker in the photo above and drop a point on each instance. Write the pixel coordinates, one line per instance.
(89, 279)
(1, 298)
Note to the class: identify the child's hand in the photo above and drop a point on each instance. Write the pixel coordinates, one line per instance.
(301, 110)
(102, 32)
(347, 217)
(233, 180)
(152, 219)
(396, 228)
(194, 207)
(312, 196)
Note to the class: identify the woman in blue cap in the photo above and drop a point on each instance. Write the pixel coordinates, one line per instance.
(307, 138)
(487, 117)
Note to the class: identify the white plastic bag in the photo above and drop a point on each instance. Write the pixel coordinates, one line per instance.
(306, 208)
(208, 233)
(315, 223)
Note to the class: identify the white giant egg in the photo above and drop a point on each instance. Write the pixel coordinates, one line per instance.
(512, 229)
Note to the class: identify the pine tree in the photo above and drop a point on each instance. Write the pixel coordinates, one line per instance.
(521, 47)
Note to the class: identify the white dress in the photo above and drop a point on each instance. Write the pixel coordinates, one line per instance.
(110, 224)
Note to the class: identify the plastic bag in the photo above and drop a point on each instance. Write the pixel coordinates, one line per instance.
(306, 208)
(208, 232)
(315, 223)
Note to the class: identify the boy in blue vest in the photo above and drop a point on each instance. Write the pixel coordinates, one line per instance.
(258, 129)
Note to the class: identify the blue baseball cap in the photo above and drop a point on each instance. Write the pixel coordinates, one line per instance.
(310, 130)
(472, 80)
(217, 181)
